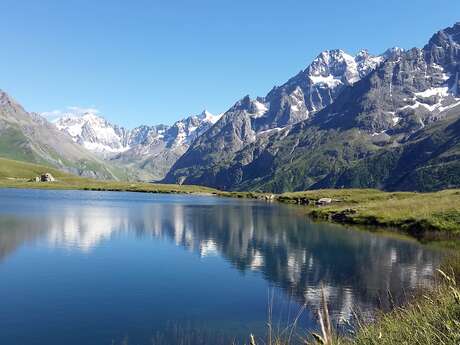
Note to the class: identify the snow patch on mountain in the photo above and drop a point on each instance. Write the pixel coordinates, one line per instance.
(96, 134)
(435, 99)
(259, 108)
(329, 80)
(206, 116)
(93, 132)
(435, 91)
(335, 67)
(312, 89)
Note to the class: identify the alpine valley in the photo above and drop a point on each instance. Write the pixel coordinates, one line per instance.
(146, 151)
(390, 121)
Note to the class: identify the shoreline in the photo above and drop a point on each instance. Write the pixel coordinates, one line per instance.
(368, 209)
(363, 208)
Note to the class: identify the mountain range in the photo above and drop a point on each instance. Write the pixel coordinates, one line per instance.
(394, 124)
(389, 121)
(30, 137)
(147, 151)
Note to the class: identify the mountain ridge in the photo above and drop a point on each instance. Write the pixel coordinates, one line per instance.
(403, 94)
(30, 137)
(388, 121)
(149, 151)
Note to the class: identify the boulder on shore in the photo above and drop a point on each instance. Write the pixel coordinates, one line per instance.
(47, 177)
(324, 201)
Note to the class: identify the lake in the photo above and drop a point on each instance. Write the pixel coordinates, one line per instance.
(79, 267)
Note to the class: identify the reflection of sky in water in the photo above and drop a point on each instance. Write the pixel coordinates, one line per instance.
(273, 241)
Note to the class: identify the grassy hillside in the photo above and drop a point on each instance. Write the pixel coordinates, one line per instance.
(18, 174)
(30, 138)
(13, 145)
(13, 169)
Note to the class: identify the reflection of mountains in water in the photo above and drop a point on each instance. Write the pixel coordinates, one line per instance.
(290, 252)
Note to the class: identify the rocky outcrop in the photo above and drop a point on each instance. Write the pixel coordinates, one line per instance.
(45, 177)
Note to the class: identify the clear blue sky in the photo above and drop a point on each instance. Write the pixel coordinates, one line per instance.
(148, 62)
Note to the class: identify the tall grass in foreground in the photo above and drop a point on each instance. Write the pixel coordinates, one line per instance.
(434, 319)
(431, 319)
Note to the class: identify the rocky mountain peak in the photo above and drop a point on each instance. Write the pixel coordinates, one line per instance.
(447, 37)
(363, 54)
(207, 116)
(93, 132)
(6, 99)
(444, 48)
(138, 146)
(330, 64)
(243, 104)
(332, 67)
(311, 90)
(392, 52)
(3, 97)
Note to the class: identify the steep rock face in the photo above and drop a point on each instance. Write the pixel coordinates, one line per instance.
(315, 88)
(29, 137)
(231, 133)
(407, 92)
(149, 151)
(376, 114)
(370, 136)
(250, 121)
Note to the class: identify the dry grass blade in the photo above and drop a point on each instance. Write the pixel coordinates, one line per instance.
(324, 319)
(448, 279)
(318, 338)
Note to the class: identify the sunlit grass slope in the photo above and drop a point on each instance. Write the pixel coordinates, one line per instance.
(416, 213)
(18, 174)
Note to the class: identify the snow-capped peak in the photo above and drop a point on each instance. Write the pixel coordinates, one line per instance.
(311, 90)
(391, 52)
(185, 131)
(335, 67)
(95, 133)
(209, 117)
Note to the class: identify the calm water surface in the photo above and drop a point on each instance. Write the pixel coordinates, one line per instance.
(127, 268)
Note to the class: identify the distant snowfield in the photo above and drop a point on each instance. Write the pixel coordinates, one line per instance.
(96, 134)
